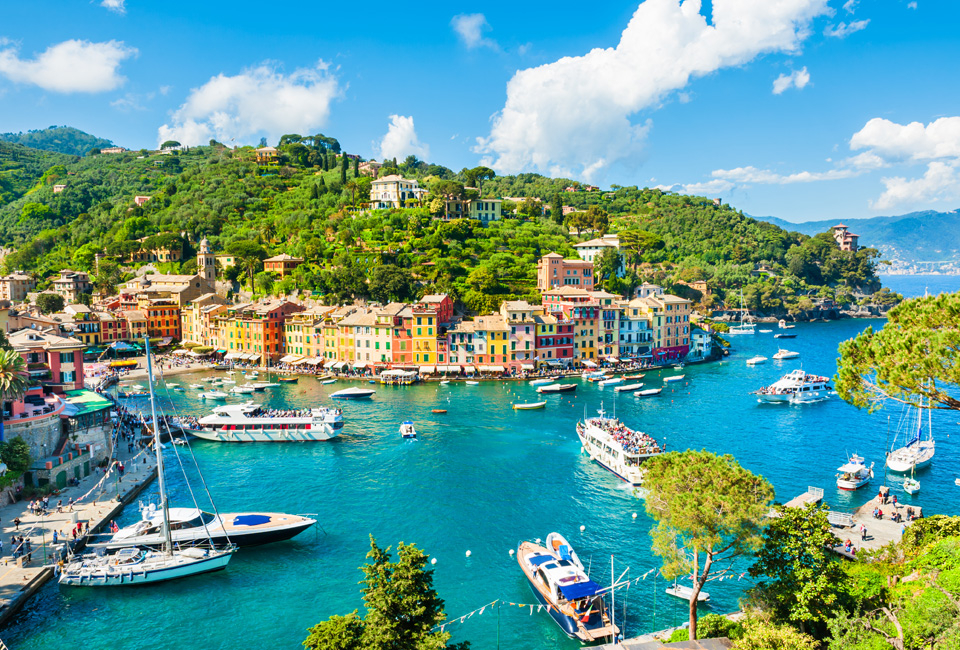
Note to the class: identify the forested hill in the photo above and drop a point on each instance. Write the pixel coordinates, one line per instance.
(61, 139)
(308, 204)
(927, 236)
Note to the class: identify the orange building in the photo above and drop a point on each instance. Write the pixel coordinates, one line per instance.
(282, 264)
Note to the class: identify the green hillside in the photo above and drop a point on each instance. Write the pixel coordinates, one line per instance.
(60, 139)
(21, 169)
(304, 205)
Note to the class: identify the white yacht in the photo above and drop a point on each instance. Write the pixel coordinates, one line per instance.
(918, 451)
(854, 474)
(783, 355)
(795, 387)
(757, 360)
(251, 423)
(214, 395)
(617, 448)
(192, 526)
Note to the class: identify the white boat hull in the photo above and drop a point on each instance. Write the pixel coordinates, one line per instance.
(852, 484)
(904, 466)
(319, 434)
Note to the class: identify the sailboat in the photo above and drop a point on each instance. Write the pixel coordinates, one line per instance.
(135, 565)
(918, 452)
(743, 328)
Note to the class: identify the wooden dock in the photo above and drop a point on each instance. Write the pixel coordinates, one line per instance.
(812, 495)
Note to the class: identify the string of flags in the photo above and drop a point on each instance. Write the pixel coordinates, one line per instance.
(496, 604)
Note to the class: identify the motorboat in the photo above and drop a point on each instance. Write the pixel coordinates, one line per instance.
(610, 382)
(135, 565)
(176, 387)
(407, 430)
(683, 592)
(649, 392)
(784, 336)
(532, 406)
(593, 374)
(550, 389)
(191, 526)
(242, 390)
(287, 380)
(558, 581)
(250, 422)
(196, 386)
(559, 544)
(765, 331)
(444, 382)
(756, 361)
(675, 378)
(354, 393)
(327, 382)
(543, 381)
(627, 387)
(229, 381)
(599, 379)
(783, 355)
(782, 324)
(180, 442)
(854, 474)
(795, 387)
(911, 485)
(472, 383)
(617, 448)
(438, 411)
(214, 395)
(639, 375)
(917, 452)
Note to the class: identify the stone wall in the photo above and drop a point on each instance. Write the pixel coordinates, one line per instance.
(42, 433)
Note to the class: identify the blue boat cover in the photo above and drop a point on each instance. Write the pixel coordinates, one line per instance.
(579, 590)
(250, 520)
(537, 560)
(564, 551)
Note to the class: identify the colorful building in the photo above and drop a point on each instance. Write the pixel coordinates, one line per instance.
(553, 271)
(283, 264)
(519, 315)
(254, 331)
(554, 340)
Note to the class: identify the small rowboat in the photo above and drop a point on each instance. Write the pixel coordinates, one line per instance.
(327, 382)
(287, 380)
(636, 376)
(670, 380)
(529, 407)
(556, 388)
(627, 387)
(649, 392)
(472, 383)
(438, 411)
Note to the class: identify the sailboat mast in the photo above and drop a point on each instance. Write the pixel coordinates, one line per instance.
(613, 603)
(168, 540)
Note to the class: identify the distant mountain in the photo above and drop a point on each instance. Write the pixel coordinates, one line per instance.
(62, 139)
(928, 239)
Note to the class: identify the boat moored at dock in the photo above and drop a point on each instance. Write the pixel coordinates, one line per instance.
(854, 474)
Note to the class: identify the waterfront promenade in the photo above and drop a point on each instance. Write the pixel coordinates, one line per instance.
(97, 500)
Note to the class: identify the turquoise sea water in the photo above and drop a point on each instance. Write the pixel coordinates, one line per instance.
(916, 285)
(481, 478)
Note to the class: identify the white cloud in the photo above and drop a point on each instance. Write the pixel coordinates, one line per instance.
(941, 182)
(258, 101)
(578, 113)
(115, 5)
(127, 103)
(470, 29)
(913, 141)
(164, 89)
(401, 140)
(911, 5)
(850, 6)
(797, 79)
(845, 29)
(69, 67)
(743, 175)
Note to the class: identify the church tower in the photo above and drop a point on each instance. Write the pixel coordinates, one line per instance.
(206, 264)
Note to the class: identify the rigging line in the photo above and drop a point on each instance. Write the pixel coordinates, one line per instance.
(187, 481)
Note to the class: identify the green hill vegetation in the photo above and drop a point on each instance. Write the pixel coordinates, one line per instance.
(21, 169)
(308, 203)
(60, 139)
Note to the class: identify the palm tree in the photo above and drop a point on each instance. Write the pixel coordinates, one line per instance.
(14, 380)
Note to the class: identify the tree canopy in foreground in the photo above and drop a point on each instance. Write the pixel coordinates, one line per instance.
(709, 511)
(912, 359)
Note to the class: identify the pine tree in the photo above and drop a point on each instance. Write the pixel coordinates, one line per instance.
(315, 192)
(321, 186)
(326, 164)
(343, 169)
(356, 168)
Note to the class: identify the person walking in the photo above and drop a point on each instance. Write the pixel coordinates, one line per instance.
(863, 532)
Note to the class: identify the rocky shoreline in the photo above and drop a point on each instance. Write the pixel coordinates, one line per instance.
(807, 316)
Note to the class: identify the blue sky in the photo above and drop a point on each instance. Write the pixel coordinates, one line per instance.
(802, 109)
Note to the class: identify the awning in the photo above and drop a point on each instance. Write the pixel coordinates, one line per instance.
(528, 366)
(221, 351)
(427, 370)
(251, 356)
(330, 364)
(612, 358)
(579, 589)
(121, 345)
(181, 352)
(448, 368)
(469, 370)
(194, 353)
(234, 355)
(290, 358)
(300, 361)
(492, 369)
(339, 364)
(360, 365)
(589, 364)
(315, 361)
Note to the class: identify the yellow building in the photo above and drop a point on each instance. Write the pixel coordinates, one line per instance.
(423, 332)
(196, 320)
(254, 331)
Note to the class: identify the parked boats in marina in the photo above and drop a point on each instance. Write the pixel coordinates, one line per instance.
(472, 383)
(354, 393)
(532, 406)
(543, 381)
(251, 423)
(648, 392)
(675, 378)
(854, 474)
(551, 389)
(287, 380)
(627, 387)
(917, 452)
(615, 447)
(639, 375)
(795, 387)
(757, 360)
(558, 581)
(214, 395)
(784, 336)
(610, 382)
(242, 390)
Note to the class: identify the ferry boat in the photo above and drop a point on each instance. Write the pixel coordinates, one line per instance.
(854, 474)
(251, 423)
(917, 453)
(617, 448)
(795, 387)
(191, 526)
(558, 581)
(550, 389)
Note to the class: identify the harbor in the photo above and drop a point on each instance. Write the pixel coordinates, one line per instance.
(521, 473)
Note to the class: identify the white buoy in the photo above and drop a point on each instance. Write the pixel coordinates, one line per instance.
(433, 561)
(582, 528)
(468, 553)
(511, 552)
(634, 515)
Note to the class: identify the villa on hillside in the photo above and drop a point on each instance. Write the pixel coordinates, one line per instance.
(393, 191)
(845, 239)
(553, 271)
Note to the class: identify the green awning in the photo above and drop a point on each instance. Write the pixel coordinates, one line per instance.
(80, 402)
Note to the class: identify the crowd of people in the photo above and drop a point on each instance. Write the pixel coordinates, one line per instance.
(634, 442)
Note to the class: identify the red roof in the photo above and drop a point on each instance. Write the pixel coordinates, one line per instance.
(840, 225)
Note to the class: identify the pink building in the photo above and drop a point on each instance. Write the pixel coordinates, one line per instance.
(846, 240)
(553, 271)
(519, 315)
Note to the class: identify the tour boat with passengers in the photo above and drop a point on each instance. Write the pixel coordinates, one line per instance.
(617, 448)
(854, 474)
(559, 582)
(251, 422)
(795, 387)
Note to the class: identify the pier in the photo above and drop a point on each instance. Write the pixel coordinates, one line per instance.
(95, 507)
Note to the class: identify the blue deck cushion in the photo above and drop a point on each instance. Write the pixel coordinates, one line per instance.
(564, 552)
(579, 590)
(537, 560)
(250, 520)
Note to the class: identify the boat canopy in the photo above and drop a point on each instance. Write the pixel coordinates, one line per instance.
(577, 590)
(850, 467)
